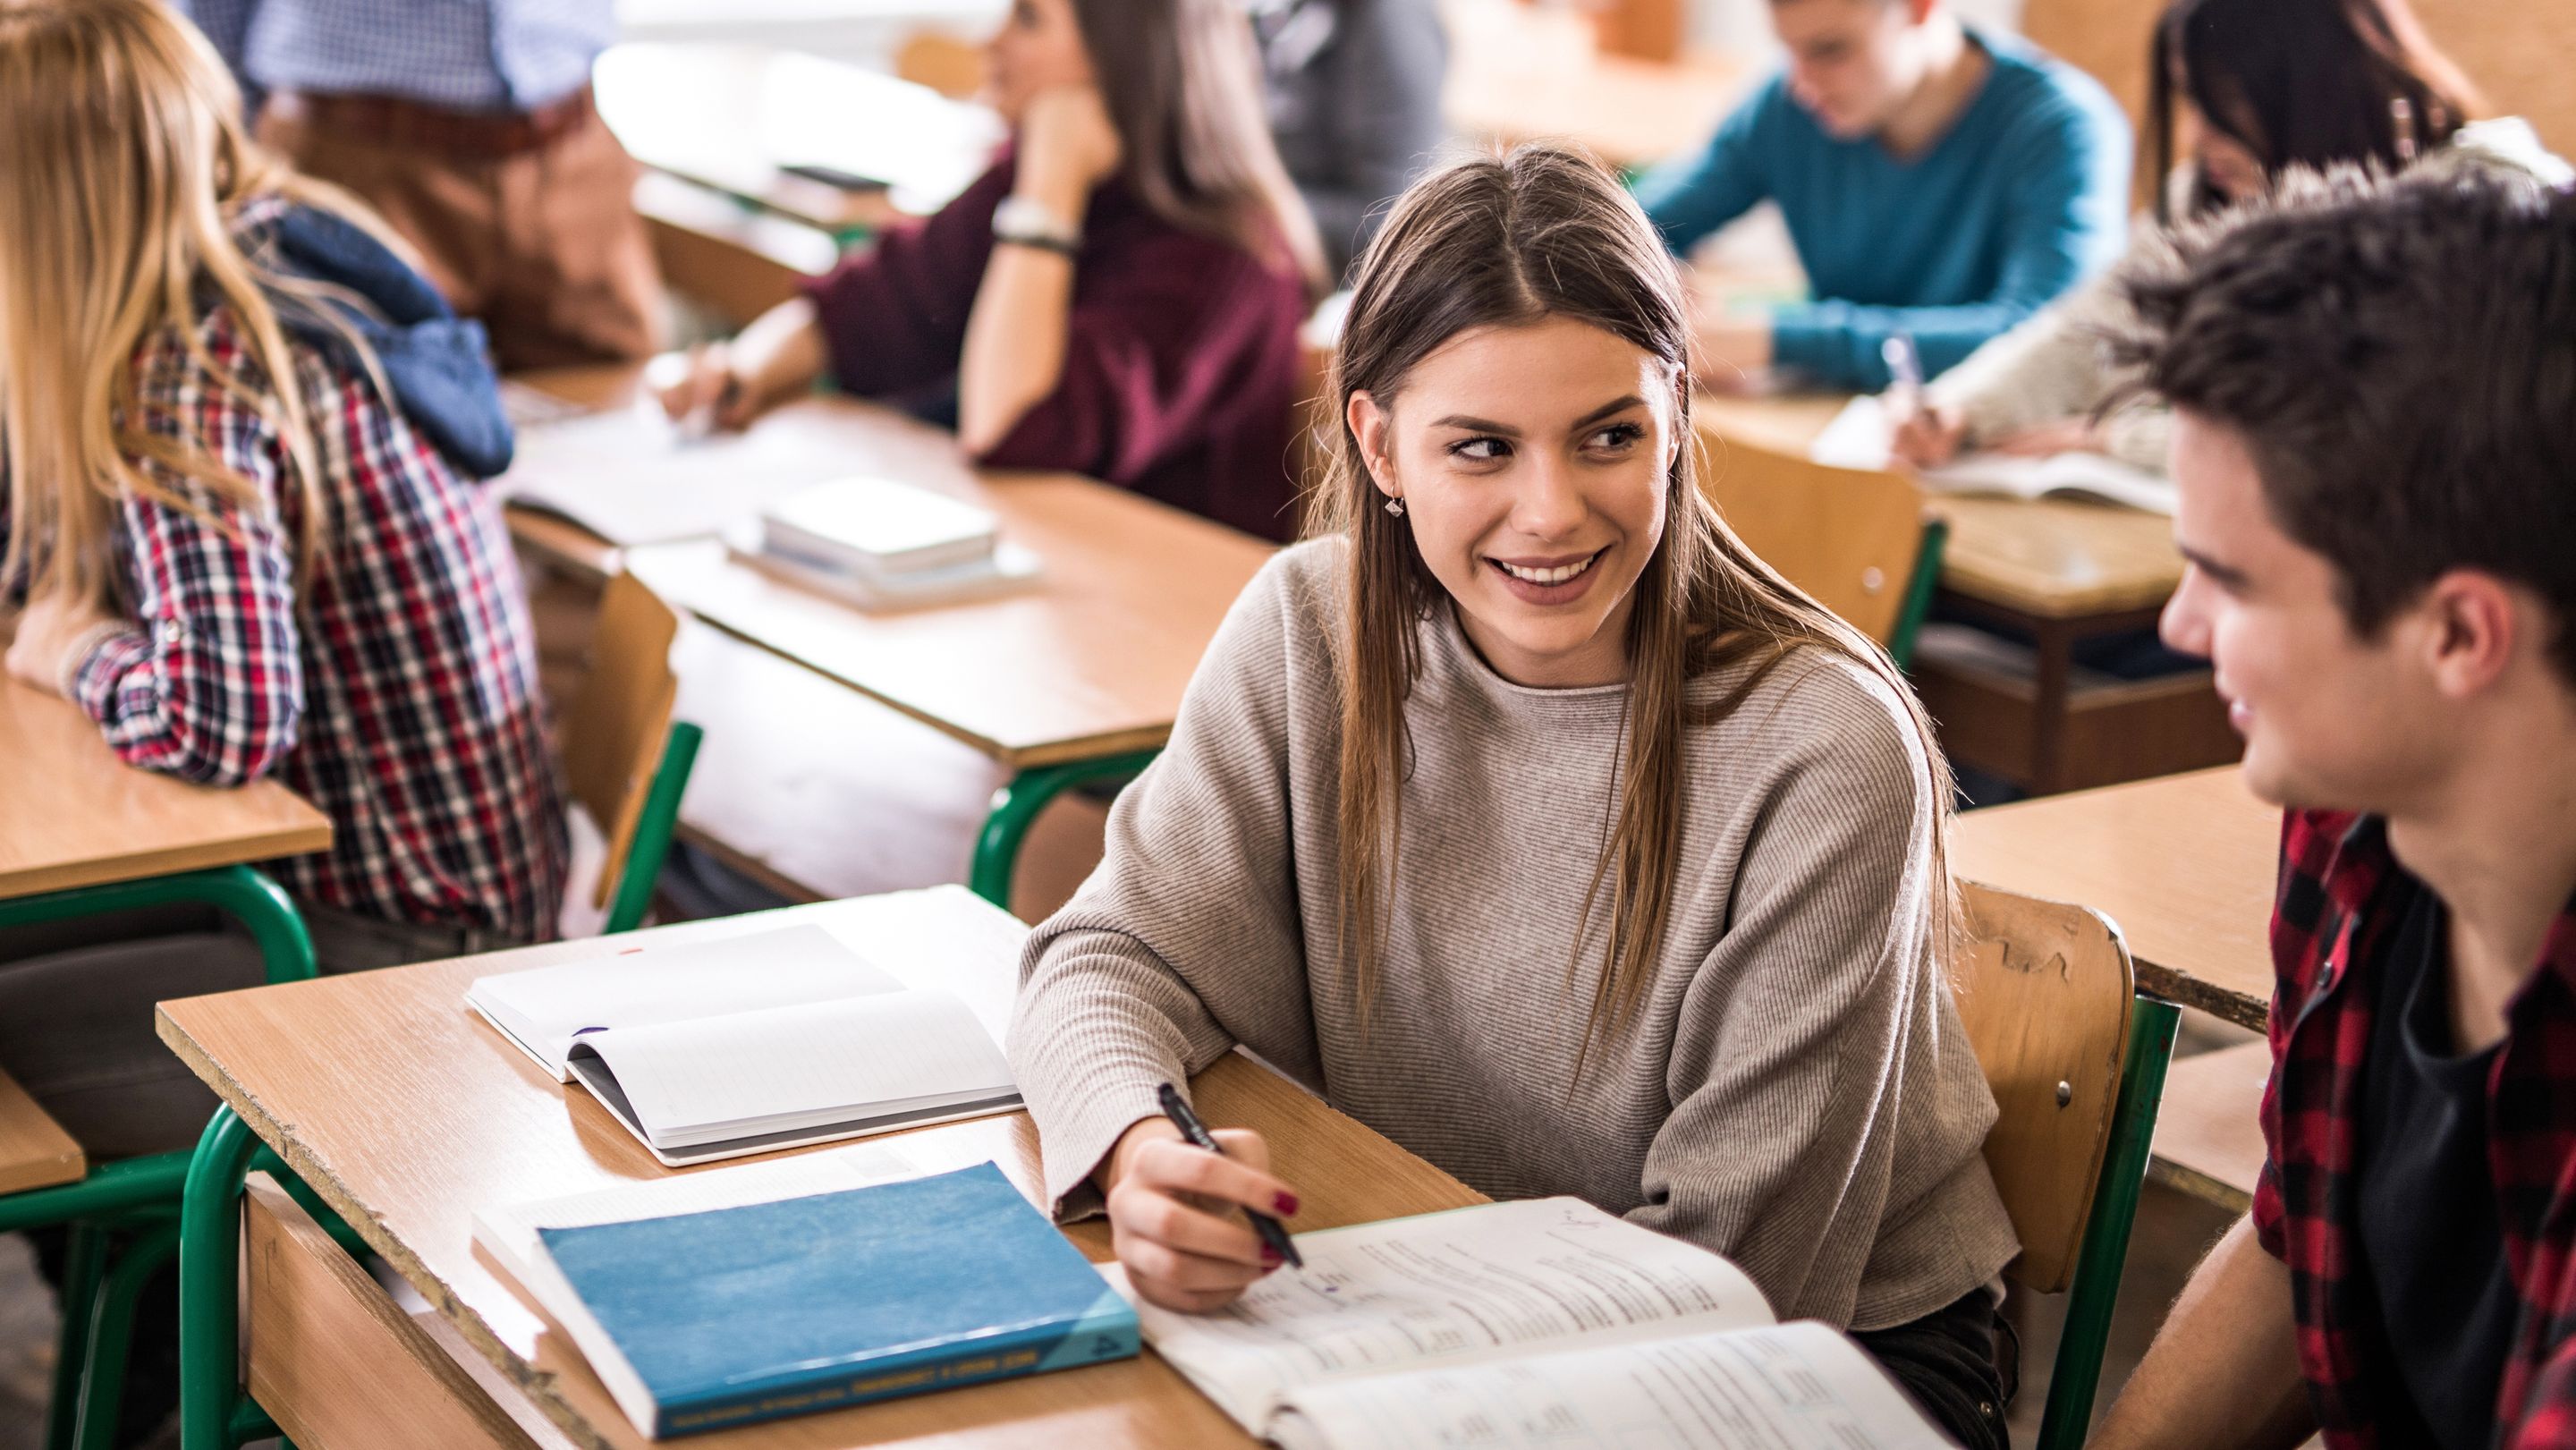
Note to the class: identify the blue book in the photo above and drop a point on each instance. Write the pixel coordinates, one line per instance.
(705, 1321)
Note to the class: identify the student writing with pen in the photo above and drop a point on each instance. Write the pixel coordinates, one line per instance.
(1118, 296)
(1533, 822)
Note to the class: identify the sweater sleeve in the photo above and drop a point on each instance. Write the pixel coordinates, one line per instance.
(1156, 335)
(2052, 366)
(209, 685)
(1789, 1058)
(2068, 173)
(894, 316)
(1691, 196)
(1383, 107)
(1185, 941)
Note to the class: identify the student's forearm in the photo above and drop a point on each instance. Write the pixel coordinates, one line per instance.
(781, 352)
(1015, 333)
(2224, 1371)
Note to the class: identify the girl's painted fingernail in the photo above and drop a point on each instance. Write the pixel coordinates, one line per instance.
(1285, 1205)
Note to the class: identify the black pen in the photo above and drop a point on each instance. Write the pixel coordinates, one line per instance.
(1178, 1110)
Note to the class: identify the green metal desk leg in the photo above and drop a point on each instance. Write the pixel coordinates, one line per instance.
(2068, 1417)
(111, 1334)
(997, 850)
(85, 1264)
(209, 1270)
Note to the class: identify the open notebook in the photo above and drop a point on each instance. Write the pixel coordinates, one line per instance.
(1539, 1323)
(752, 1043)
(632, 477)
(1858, 438)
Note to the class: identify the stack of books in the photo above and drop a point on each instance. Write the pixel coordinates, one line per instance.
(882, 544)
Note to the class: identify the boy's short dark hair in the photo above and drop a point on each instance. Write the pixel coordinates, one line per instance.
(2400, 359)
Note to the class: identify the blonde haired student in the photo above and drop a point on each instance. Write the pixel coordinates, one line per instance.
(1532, 821)
(242, 442)
(1118, 296)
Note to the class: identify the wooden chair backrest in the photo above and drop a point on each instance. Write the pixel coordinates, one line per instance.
(2044, 990)
(1848, 537)
(952, 67)
(621, 715)
(2514, 54)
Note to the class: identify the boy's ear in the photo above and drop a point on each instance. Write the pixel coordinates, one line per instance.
(2473, 622)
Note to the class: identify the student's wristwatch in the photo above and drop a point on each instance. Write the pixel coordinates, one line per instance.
(1025, 223)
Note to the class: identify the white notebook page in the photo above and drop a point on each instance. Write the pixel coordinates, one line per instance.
(1790, 1387)
(637, 986)
(1467, 1284)
(804, 1065)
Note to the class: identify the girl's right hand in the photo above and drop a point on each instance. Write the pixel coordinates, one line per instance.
(711, 393)
(1928, 437)
(1172, 1218)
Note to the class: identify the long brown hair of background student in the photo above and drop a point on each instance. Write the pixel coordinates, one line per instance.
(125, 162)
(2304, 82)
(1182, 86)
(1507, 241)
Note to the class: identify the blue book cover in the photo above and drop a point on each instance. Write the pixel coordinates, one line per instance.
(704, 1321)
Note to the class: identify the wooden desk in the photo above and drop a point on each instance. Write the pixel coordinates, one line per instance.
(2186, 865)
(72, 814)
(1086, 664)
(1521, 73)
(2056, 572)
(404, 1112)
(736, 117)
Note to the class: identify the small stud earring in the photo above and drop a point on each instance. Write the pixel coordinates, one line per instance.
(1395, 506)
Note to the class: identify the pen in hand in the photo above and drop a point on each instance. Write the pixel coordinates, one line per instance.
(1905, 365)
(1178, 1110)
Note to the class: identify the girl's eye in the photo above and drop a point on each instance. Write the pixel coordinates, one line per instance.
(1617, 436)
(1480, 450)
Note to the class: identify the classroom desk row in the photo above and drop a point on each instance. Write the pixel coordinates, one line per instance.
(2056, 573)
(465, 1359)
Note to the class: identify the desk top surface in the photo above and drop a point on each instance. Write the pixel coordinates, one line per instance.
(405, 1111)
(738, 117)
(72, 814)
(2186, 864)
(1089, 659)
(2048, 558)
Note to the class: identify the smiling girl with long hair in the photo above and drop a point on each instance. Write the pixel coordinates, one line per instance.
(1531, 820)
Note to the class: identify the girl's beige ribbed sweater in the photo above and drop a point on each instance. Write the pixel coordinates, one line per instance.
(1795, 1092)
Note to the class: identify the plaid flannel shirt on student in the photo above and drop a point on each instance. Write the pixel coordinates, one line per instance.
(395, 688)
(2326, 929)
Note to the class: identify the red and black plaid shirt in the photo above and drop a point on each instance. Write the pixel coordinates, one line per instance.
(2330, 927)
(396, 689)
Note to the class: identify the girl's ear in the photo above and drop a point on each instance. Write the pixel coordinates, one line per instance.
(1369, 424)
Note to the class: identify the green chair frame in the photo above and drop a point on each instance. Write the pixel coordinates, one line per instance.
(1919, 588)
(141, 1197)
(1016, 805)
(215, 1411)
(2095, 1289)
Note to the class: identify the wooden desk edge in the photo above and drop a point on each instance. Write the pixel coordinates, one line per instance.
(1016, 757)
(298, 840)
(538, 1387)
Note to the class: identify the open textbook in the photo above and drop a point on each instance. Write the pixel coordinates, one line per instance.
(631, 476)
(1540, 1323)
(1858, 438)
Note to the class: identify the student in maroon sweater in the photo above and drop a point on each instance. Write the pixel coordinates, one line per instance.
(1120, 295)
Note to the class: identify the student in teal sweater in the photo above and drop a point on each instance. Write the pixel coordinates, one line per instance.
(1939, 182)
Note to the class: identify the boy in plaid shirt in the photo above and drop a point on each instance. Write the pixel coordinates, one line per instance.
(2375, 448)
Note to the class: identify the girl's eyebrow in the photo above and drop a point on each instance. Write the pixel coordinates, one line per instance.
(1505, 430)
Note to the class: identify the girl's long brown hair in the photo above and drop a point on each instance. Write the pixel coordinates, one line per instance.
(1503, 242)
(1180, 83)
(122, 167)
